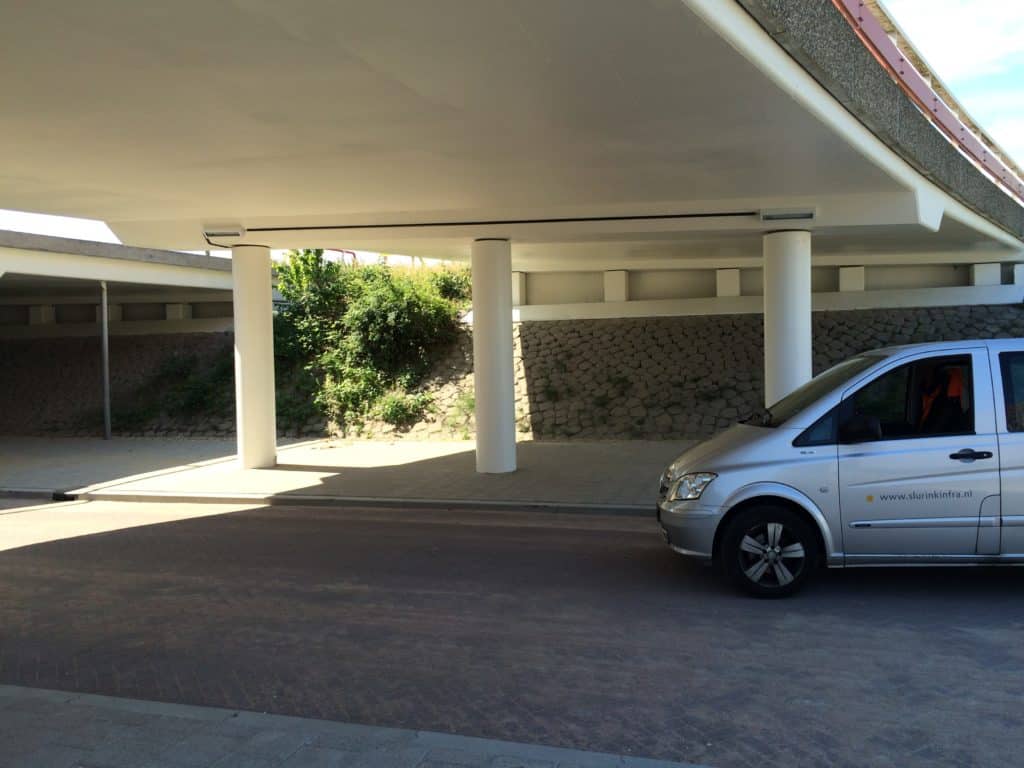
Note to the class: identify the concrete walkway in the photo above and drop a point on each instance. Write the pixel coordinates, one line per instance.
(40, 728)
(611, 476)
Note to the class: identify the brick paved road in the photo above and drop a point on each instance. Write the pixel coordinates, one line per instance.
(575, 632)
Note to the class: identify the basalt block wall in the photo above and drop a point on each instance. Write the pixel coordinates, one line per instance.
(643, 378)
(55, 385)
(689, 377)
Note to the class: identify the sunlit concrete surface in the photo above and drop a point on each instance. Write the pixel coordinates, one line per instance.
(23, 524)
(608, 474)
(49, 463)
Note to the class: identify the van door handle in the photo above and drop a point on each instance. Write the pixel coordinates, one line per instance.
(968, 454)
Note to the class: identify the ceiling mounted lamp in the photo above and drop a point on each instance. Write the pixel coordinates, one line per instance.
(787, 214)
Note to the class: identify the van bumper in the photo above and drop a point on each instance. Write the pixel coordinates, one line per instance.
(689, 528)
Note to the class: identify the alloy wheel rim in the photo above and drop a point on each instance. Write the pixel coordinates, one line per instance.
(771, 555)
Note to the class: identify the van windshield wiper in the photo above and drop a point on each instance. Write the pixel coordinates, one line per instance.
(762, 416)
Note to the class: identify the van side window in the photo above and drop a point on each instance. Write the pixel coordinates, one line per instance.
(925, 398)
(1012, 366)
(821, 432)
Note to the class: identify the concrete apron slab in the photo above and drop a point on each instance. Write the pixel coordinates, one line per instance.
(610, 477)
(41, 727)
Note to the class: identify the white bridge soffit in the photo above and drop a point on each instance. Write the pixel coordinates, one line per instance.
(413, 127)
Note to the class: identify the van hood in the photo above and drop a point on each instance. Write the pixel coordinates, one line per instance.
(705, 456)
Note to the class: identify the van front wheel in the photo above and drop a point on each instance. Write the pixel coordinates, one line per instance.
(769, 551)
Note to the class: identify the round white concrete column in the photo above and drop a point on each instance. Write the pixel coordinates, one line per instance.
(255, 410)
(787, 313)
(493, 367)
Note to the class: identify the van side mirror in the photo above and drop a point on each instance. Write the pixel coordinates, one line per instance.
(860, 428)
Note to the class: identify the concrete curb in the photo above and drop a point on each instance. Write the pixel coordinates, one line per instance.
(308, 500)
(30, 493)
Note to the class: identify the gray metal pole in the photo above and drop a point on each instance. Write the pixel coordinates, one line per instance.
(105, 333)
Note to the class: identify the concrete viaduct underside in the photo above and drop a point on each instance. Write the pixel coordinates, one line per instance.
(521, 136)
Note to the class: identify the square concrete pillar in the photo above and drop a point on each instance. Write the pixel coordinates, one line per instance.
(114, 313)
(986, 274)
(1018, 274)
(177, 311)
(851, 279)
(519, 289)
(727, 282)
(616, 285)
(42, 314)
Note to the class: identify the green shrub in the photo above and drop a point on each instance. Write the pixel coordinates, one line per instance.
(465, 405)
(401, 409)
(361, 332)
(453, 284)
(392, 323)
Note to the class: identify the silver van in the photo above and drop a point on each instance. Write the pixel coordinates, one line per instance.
(904, 455)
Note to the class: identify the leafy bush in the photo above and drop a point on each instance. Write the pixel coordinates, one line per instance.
(361, 332)
(402, 409)
(392, 323)
(453, 284)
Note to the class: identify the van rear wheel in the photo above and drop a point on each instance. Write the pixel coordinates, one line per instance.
(769, 550)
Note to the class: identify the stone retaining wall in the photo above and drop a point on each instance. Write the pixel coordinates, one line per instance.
(688, 377)
(55, 386)
(650, 378)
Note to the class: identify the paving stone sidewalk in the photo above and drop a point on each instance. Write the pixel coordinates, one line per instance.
(595, 475)
(40, 729)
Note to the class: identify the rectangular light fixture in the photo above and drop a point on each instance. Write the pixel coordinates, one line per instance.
(224, 230)
(787, 214)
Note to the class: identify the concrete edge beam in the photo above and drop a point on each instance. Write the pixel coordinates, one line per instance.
(819, 38)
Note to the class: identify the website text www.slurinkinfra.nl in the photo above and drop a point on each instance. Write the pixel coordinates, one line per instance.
(926, 496)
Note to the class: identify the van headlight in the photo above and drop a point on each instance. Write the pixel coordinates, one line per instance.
(690, 486)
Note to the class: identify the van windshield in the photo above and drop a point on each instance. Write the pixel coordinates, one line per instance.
(813, 390)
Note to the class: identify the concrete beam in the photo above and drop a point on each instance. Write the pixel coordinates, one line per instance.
(616, 285)
(115, 313)
(123, 328)
(177, 311)
(88, 296)
(727, 282)
(519, 297)
(986, 274)
(96, 268)
(42, 314)
(851, 279)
